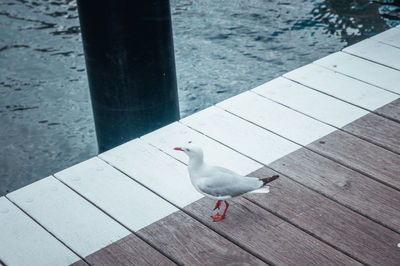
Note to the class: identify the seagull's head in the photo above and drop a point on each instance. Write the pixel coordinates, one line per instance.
(192, 151)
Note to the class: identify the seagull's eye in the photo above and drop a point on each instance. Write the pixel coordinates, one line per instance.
(189, 141)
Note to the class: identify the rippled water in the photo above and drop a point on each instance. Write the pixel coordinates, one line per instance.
(222, 48)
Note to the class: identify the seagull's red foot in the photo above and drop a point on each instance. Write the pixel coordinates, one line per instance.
(218, 205)
(218, 217)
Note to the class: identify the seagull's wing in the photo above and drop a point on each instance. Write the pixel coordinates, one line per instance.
(224, 182)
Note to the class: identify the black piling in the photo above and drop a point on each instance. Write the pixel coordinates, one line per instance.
(130, 64)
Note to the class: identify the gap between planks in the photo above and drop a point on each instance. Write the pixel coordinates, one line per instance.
(176, 206)
(44, 228)
(293, 179)
(330, 124)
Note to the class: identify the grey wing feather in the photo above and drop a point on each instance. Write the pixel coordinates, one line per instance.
(228, 183)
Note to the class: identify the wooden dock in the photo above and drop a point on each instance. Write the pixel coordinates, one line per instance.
(331, 129)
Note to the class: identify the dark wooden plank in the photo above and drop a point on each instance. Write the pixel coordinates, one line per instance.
(378, 130)
(129, 250)
(350, 232)
(358, 192)
(268, 236)
(79, 263)
(390, 110)
(191, 243)
(362, 155)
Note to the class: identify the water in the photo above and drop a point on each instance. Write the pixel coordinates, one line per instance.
(222, 48)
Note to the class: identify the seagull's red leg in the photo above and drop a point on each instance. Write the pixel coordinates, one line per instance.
(217, 205)
(219, 217)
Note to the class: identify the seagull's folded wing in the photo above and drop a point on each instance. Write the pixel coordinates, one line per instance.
(227, 183)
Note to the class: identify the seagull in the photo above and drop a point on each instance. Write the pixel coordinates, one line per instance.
(219, 183)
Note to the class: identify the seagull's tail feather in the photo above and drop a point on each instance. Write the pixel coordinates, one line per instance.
(266, 180)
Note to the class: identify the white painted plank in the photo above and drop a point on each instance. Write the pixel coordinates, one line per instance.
(340, 86)
(241, 135)
(364, 70)
(310, 102)
(376, 51)
(177, 134)
(154, 169)
(122, 198)
(72, 219)
(276, 117)
(391, 37)
(24, 242)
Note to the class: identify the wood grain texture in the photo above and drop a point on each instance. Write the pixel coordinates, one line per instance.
(129, 250)
(344, 185)
(24, 242)
(377, 130)
(358, 154)
(356, 235)
(267, 235)
(391, 110)
(362, 69)
(191, 243)
(377, 52)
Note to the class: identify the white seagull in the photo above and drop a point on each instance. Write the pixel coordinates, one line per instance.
(220, 183)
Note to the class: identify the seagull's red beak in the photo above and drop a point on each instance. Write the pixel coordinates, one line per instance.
(178, 149)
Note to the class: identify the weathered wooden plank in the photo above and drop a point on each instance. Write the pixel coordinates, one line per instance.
(391, 37)
(177, 134)
(294, 199)
(378, 130)
(376, 51)
(310, 102)
(356, 235)
(358, 154)
(364, 70)
(116, 194)
(156, 170)
(276, 118)
(24, 242)
(341, 86)
(268, 236)
(392, 109)
(76, 222)
(129, 250)
(352, 189)
(191, 243)
(240, 135)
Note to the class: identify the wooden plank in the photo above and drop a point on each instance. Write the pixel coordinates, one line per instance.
(391, 37)
(358, 154)
(268, 236)
(377, 52)
(191, 243)
(342, 87)
(240, 135)
(115, 193)
(378, 130)
(177, 134)
(24, 242)
(276, 118)
(364, 70)
(156, 170)
(392, 109)
(352, 189)
(129, 250)
(310, 102)
(356, 235)
(73, 220)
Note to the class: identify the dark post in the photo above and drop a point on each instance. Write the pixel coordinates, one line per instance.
(130, 65)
